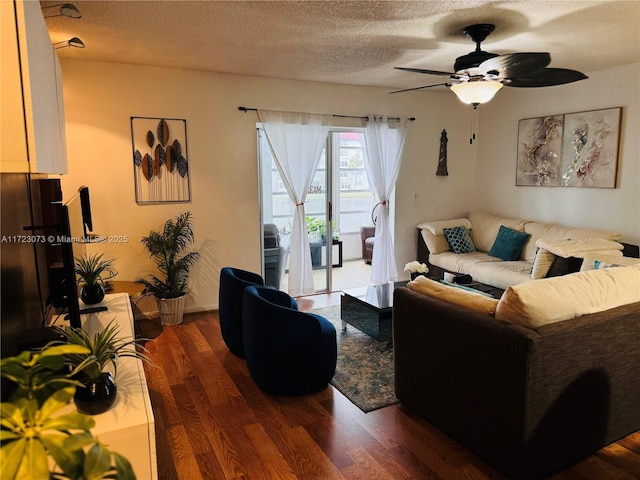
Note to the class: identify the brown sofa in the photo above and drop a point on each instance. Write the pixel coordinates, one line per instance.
(528, 401)
(367, 235)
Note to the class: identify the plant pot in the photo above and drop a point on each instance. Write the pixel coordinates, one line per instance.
(92, 294)
(171, 310)
(97, 396)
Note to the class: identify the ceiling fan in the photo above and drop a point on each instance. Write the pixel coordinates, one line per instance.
(479, 75)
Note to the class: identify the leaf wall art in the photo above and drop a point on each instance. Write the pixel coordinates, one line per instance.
(160, 160)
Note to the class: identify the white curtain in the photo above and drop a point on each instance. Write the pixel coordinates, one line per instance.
(384, 139)
(296, 141)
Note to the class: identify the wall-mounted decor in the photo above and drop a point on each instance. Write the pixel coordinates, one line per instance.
(539, 151)
(442, 157)
(571, 150)
(590, 148)
(160, 165)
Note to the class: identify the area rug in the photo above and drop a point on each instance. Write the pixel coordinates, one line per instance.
(364, 371)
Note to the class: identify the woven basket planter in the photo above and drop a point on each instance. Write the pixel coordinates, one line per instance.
(171, 310)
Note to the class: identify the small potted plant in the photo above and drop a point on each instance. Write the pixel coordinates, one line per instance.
(38, 441)
(90, 270)
(98, 391)
(169, 251)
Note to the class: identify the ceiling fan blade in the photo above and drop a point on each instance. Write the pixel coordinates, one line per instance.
(514, 65)
(420, 70)
(421, 88)
(547, 77)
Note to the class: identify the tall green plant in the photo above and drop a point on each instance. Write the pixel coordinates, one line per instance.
(167, 250)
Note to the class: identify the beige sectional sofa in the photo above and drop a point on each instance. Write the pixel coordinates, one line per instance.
(550, 249)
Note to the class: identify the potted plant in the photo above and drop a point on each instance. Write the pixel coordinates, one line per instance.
(90, 269)
(37, 442)
(168, 250)
(98, 390)
(316, 227)
(416, 269)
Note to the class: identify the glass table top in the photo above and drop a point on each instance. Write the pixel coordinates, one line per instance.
(378, 296)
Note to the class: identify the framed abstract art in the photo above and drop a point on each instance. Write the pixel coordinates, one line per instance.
(571, 150)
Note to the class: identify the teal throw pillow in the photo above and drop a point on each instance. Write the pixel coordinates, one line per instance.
(509, 243)
(459, 240)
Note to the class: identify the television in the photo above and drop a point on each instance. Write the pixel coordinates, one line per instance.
(74, 227)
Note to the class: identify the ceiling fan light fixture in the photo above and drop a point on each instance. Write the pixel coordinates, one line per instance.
(476, 92)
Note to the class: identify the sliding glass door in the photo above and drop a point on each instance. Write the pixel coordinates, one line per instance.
(338, 203)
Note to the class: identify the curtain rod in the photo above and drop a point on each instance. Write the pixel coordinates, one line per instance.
(245, 110)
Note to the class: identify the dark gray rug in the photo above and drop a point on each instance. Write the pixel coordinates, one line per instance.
(364, 372)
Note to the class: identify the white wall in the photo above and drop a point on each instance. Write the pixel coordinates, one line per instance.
(100, 98)
(609, 209)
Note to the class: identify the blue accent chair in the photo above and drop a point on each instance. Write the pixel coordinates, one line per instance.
(288, 352)
(233, 281)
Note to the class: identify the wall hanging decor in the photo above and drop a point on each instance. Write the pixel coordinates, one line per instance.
(570, 150)
(160, 160)
(442, 157)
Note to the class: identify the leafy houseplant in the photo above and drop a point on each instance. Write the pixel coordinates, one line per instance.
(168, 250)
(31, 434)
(90, 269)
(98, 390)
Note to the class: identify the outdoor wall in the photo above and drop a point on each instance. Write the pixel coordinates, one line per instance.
(101, 97)
(604, 208)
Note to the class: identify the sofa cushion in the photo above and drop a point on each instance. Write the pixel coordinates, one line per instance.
(485, 227)
(436, 227)
(552, 233)
(549, 300)
(501, 274)
(459, 239)
(579, 247)
(475, 301)
(435, 243)
(597, 260)
(460, 263)
(509, 243)
(542, 263)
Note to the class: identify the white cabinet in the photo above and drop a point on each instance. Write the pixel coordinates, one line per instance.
(33, 134)
(127, 427)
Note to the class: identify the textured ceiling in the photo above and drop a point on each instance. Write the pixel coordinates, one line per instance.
(346, 42)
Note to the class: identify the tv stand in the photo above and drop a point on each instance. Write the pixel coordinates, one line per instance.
(127, 427)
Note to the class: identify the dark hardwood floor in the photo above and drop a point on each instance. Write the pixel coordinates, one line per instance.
(212, 422)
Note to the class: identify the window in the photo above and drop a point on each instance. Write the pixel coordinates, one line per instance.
(352, 199)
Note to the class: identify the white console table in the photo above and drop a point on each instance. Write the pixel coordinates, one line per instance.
(128, 426)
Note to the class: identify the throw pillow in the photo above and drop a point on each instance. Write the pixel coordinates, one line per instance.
(509, 244)
(475, 301)
(459, 239)
(541, 263)
(435, 243)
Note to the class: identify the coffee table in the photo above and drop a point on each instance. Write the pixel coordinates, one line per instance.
(369, 309)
